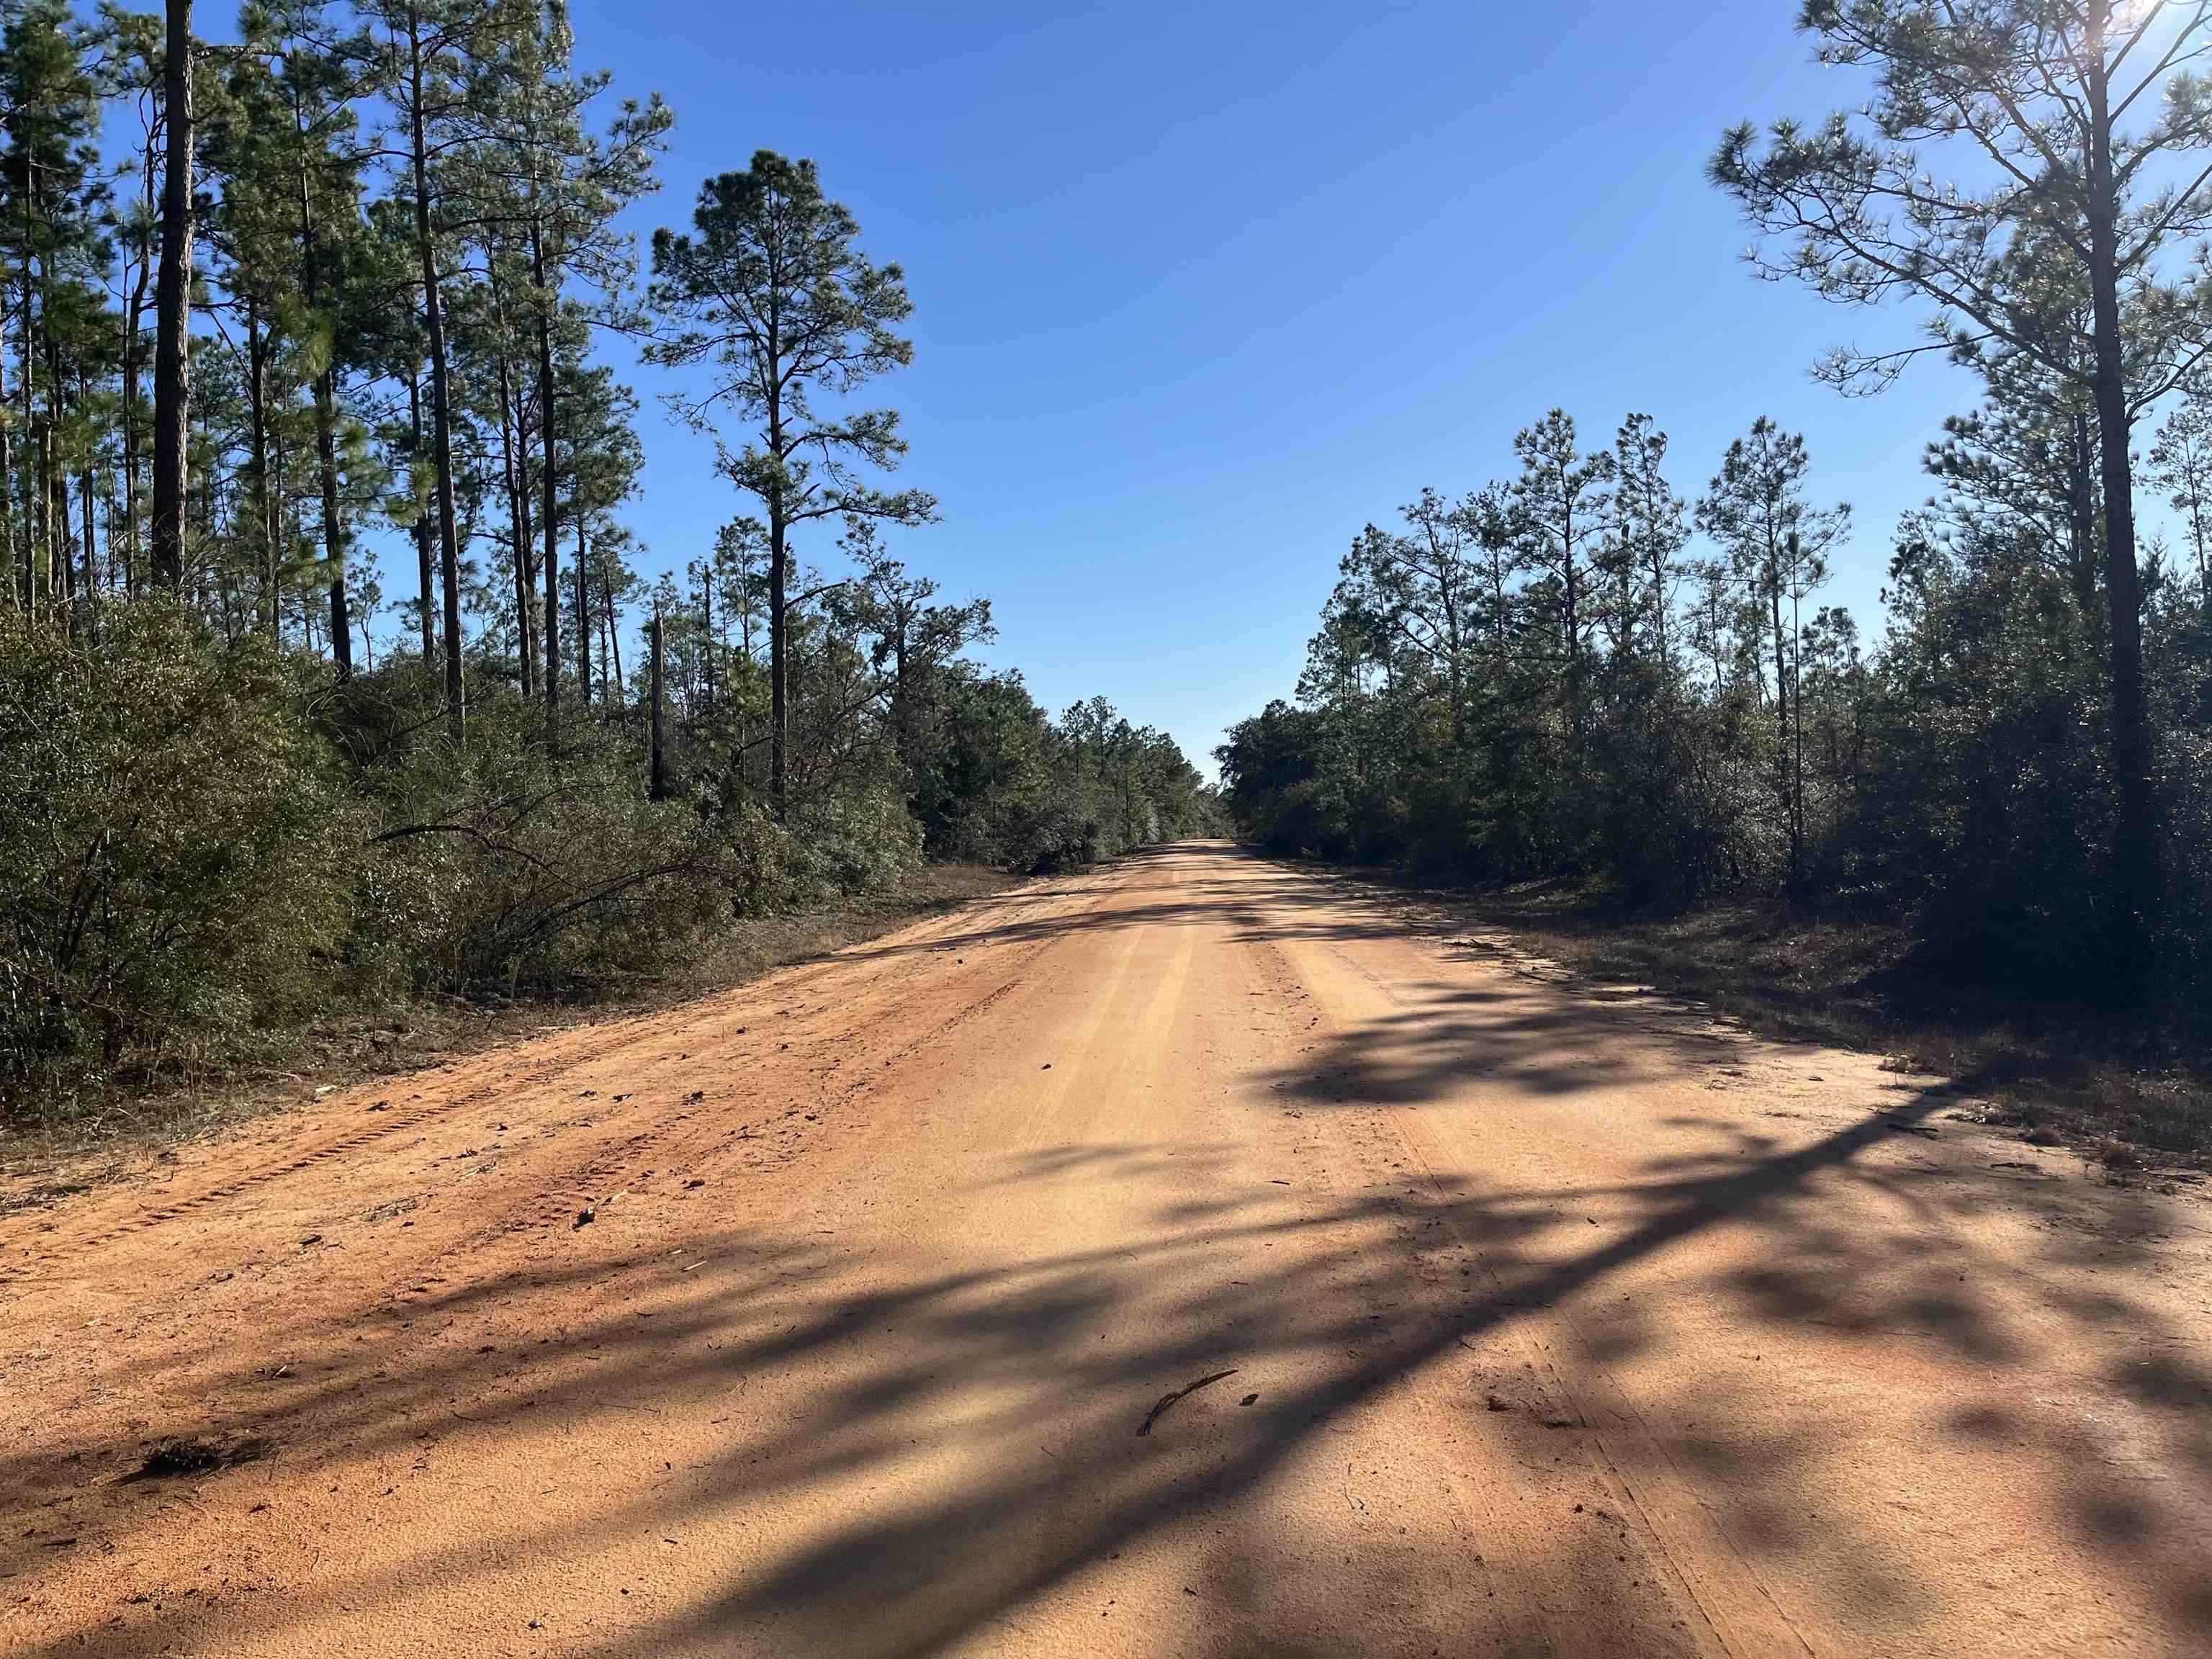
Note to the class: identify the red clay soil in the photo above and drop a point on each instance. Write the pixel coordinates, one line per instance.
(849, 1313)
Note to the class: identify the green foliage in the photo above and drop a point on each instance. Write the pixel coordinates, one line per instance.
(174, 871)
(2061, 255)
(1483, 699)
(510, 863)
(1983, 800)
(225, 819)
(206, 845)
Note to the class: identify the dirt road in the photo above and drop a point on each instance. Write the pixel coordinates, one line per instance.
(824, 1317)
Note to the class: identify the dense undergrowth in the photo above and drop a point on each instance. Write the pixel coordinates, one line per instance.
(215, 856)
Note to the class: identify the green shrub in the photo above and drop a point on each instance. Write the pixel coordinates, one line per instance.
(172, 871)
(510, 862)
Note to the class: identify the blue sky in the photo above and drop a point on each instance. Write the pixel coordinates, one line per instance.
(1201, 288)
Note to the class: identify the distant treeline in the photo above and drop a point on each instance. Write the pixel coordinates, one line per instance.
(1576, 673)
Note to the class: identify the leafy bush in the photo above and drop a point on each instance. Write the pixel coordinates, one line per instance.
(510, 862)
(208, 847)
(172, 867)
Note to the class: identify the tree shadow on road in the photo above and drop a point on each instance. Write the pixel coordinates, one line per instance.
(1014, 1352)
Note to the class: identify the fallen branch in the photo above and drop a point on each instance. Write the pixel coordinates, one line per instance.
(1159, 1410)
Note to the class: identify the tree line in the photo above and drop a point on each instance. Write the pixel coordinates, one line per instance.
(275, 309)
(1577, 671)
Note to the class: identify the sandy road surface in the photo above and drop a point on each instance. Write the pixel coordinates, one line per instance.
(1557, 1320)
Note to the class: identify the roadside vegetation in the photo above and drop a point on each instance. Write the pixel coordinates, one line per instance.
(259, 810)
(1598, 673)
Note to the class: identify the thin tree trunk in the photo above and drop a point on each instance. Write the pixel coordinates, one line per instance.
(614, 646)
(2135, 847)
(1796, 710)
(7, 582)
(551, 482)
(134, 344)
(131, 346)
(52, 510)
(326, 454)
(91, 568)
(173, 303)
(1782, 715)
(517, 533)
(779, 713)
(58, 582)
(583, 617)
(334, 542)
(779, 723)
(778, 726)
(281, 527)
(706, 639)
(2082, 529)
(421, 521)
(88, 578)
(54, 478)
(256, 406)
(1572, 584)
(34, 548)
(659, 773)
(441, 430)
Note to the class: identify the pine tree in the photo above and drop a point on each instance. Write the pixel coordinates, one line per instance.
(438, 55)
(2057, 256)
(560, 186)
(772, 290)
(1777, 543)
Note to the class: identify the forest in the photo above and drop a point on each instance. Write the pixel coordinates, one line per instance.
(1612, 665)
(328, 677)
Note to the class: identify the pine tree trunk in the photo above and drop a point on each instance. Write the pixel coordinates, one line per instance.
(131, 345)
(422, 524)
(173, 303)
(441, 427)
(34, 548)
(256, 360)
(9, 585)
(88, 576)
(1782, 718)
(551, 481)
(334, 547)
(53, 527)
(614, 646)
(519, 534)
(2135, 845)
(778, 719)
(91, 568)
(778, 710)
(707, 604)
(659, 773)
(583, 617)
(327, 456)
(1572, 573)
(54, 477)
(2081, 567)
